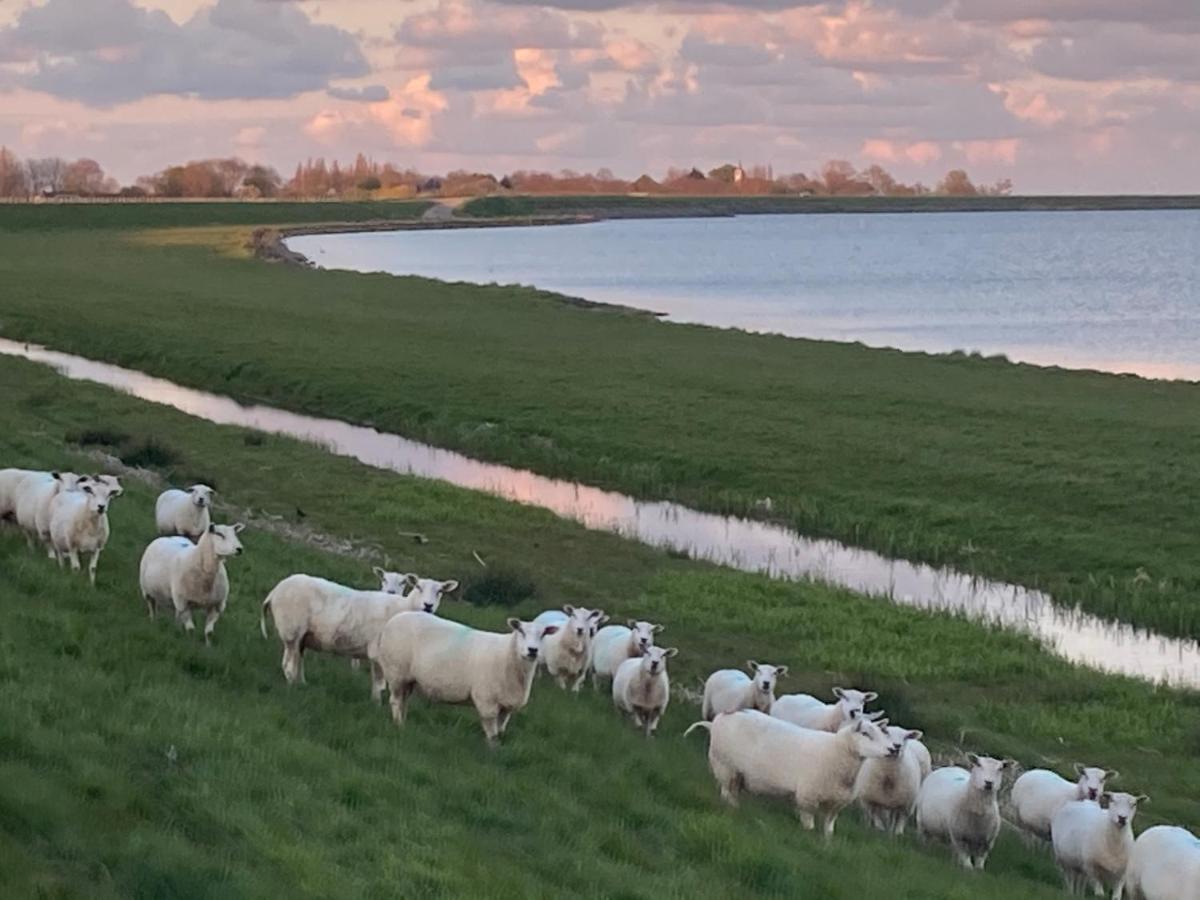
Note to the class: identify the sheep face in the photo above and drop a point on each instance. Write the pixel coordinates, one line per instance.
(871, 739)
(765, 677)
(69, 481)
(391, 582)
(654, 660)
(897, 737)
(427, 593)
(643, 635)
(852, 702)
(1121, 808)
(225, 539)
(111, 481)
(201, 495)
(99, 494)
(1091, 782)
(987, 773)
(530, 637)
(584, 622)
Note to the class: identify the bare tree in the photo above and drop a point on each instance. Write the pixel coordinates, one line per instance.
(957, 184)
(46, 175)
(14, 181)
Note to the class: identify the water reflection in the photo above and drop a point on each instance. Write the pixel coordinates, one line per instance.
(739, 543)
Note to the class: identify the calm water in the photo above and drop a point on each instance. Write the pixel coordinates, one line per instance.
(1118, 291)
(738, 543)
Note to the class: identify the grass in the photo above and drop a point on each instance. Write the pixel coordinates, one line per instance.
(1076, 483)
(134, 762)
(624, 206)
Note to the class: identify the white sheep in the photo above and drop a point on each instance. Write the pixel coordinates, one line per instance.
(887, 787)
(79, 523)
(1092, 842)
(452, 663)
(313, 613)
(10, 486)
(35, 493)
(184, 512)
(613, 644)
(1164, 865)
(642, 688)
(728, 690)
(1039, 793)
(960, 807)
(178, 575)
(809, 712)
(567, 653)
(766, 755)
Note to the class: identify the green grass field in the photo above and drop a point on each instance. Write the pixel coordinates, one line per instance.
(134, 762)
(1078, 483)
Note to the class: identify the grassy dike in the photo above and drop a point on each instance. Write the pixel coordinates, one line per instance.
(134, 762)
(1079, 483)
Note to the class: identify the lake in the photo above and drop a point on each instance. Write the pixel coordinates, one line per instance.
(1114, 291)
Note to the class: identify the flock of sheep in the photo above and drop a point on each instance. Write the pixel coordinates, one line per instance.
(823, 756)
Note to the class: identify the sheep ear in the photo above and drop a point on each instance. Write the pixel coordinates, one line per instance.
(914, 735)
(1105, 800)
(212, 529)
(568, 609)
(657, 628)
(1141, 798)
(598, 615)
(973, 759)
(411, 580)
(515, 624)
(670, 651)
(1008, 763)
(1079, 767)
(869, 696)
(57, 476)
(1111, 774)
(379, 572)
(780, 671)
(752, 666)
(839, 693)
(238, 528)
(449, 587)
(549, 630)
(87, 489)
(632, 623)
(875, 715)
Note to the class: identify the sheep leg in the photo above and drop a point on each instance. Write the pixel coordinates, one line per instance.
(399, 702)
(92, 567)
(378, 682)
(961, 854)
(899, 822)
(73, 555)
(491, 729)
(51, 553)
(355, 662)
(578, 683)
(830, 820)
(981, 860)
(184, 618)
(728, 781)
(210, 622)
(502, 720)
(807, 821)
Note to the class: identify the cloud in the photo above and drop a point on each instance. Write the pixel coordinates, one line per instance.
(106, 52)
(1161, 13)
(371, 93)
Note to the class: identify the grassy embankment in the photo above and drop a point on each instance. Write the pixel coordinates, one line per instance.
(134, 762)
(623, 207)
(1079, 483)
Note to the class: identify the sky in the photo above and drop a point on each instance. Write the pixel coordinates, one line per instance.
(1061, 96)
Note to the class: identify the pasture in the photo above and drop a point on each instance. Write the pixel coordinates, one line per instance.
(135, 762)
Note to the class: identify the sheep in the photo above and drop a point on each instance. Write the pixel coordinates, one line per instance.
(1092, 842)
(613, 644)
(642, 688)
(728, 690)
(34, 496)
(1039, 793)
(10, 486)
(452, 663)
(887, 787)
(567, 653)
(313, 613)
(809, 712)
(960, 807)
(765, 755)
(1164, 865)
(184, 512)
(177, 574)
(79, 523)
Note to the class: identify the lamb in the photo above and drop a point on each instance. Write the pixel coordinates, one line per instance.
(79, 523)
(728, 690)
(809, 712)
(184, 512)
(567, 653)
(452, 663)
(1039, 793)
(765, 755)
(887, 787)
(1092, 842)
(961, 807)
(1164, 865)
(179, 575)
(36, 492)
(317, 614)
(642, 689)
(613, 644)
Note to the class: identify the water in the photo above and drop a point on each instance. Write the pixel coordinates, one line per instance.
(1115, 291)
(739, 543)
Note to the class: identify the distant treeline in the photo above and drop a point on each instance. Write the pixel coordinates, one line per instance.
(368, 179)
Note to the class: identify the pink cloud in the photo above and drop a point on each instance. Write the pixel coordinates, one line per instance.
(919, 152)
(999, 151)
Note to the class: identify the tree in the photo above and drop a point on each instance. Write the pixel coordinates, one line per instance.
(837, 174)
(14, 182)
(46, 175)
(880, 181)
(263, 179)
(84, 176)
(957, 184)
(370, 183)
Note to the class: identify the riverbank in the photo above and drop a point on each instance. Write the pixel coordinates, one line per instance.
(1071, 482)
(135, 756)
